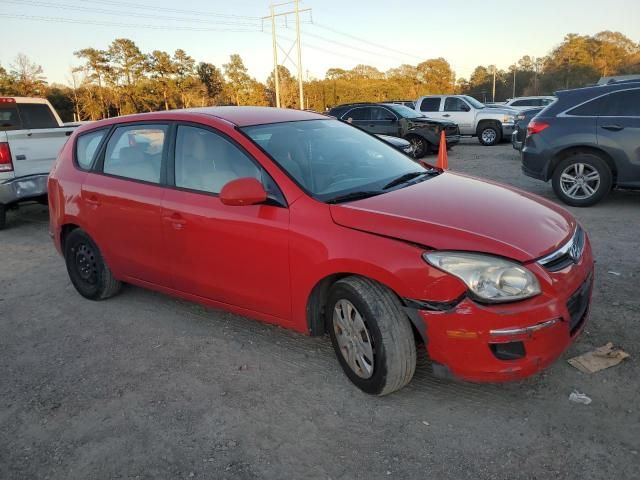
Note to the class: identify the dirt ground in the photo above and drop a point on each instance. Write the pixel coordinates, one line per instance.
(145, 386)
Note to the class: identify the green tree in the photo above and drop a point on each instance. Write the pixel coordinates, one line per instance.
(96, 69)
(212, 79)
(127, 67)
(162, 68)
(239, 81)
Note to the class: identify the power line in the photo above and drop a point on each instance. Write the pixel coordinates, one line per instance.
(316, 47)
(363, 40)
(117, 24)
(171, 10)
(129, 14)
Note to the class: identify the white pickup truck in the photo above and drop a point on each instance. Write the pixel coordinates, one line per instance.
(474, 118)
(31, 135)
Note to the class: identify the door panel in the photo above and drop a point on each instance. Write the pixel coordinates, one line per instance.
(453, 113)
(383, 122)
(234, 255)
(620, 137)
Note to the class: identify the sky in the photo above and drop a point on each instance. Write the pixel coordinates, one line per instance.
(336, 33)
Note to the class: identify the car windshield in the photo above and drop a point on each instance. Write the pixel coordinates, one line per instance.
(334, 161)
(474, 102)
(404, 111)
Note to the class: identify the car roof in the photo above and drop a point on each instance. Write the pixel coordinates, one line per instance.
(245, 116)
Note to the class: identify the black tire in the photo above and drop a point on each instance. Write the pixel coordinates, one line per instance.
(591, 163)
(87, 269)
(421, 145)
(388, 329)
(3, 217)
(489, 133)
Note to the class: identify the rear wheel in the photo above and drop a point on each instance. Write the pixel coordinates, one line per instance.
(3, 217)
(489, 133)
(582, 180)
(87, 269)
(371, 335)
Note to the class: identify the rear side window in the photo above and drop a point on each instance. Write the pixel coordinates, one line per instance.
(37, 115)
(86, 148)
(358, 114)
(589, 109)
(135, 152)
(621, 104)
(430, 105)
(9, 118)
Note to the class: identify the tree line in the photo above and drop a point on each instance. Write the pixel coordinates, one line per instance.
(122, 79)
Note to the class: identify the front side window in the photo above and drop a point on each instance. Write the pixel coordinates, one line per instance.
(9, 118)
(454, 104)
(86, 147)
(206, 161)
(405, 112)
(334, 161)
(135, 152)
(621, 104)
(430, 104)
(37, 115)
(378, 113)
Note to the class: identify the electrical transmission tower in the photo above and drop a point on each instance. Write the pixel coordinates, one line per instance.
(275, 45)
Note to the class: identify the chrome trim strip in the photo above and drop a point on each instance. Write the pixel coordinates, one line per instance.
(576, 240)
(506, 332)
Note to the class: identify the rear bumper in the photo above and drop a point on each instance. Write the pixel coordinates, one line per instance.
(23, 188)
(534, 164)
(517, 144)
(507, 129)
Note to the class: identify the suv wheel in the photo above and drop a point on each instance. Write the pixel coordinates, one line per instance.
(87, 269)
(582, 180)
(371, 335)
(489, 134)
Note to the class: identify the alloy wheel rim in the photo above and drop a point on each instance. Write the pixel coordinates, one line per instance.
(353, 338)
(417, 146)
(86, 264)
(488, 135)
(579, 181)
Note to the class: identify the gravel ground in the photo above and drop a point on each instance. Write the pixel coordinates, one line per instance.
(146, 386)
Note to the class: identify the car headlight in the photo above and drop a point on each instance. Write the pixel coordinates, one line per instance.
(489, 279)
(508, 119)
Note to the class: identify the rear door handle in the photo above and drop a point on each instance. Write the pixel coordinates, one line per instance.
(613, 127)
(93, 201)
(446, 115)
(176, 220)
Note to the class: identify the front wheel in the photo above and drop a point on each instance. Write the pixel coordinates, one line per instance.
(371, 335)
(420, 146)
(87, 270)
(489, 134)
(582, 179)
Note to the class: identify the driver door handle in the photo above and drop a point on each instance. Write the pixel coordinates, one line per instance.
(176, 220)
(446, 115)
(613, 127)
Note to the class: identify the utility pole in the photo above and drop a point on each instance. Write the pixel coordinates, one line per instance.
(275, 45)
(299, 54)
(515, 69)
(275, 56)
(493, 98)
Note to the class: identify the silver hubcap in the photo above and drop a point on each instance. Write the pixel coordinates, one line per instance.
(353, 338)
(579, 181)
(488, 135)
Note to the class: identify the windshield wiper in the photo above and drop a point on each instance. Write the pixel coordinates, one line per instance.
(354, 196)
(405, 178)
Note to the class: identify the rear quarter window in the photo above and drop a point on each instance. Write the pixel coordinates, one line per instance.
(86, 148)
(430, 105)
(589, 109)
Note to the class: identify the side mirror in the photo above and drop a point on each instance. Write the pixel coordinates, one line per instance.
(465, 108)
(243, 191)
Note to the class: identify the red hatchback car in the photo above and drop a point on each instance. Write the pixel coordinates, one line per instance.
(306, 222)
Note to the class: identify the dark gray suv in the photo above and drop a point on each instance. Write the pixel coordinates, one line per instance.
(587, 142)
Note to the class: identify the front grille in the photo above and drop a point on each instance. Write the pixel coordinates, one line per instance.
(578, 305)
(566, 255)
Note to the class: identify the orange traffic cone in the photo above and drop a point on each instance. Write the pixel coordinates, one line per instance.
(443, 159)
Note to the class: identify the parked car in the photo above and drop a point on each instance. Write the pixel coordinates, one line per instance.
(400, 144)
(399, 121)
(524, 103)
(31, 135)
(309, 223)
(520, 129)
(473, 118)
(587, 143)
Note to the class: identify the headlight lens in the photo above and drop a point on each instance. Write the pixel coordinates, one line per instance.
(489, 279)
(508, 119)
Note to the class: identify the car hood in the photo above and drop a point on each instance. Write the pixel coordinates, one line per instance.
(500, 110)
(456, 212)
